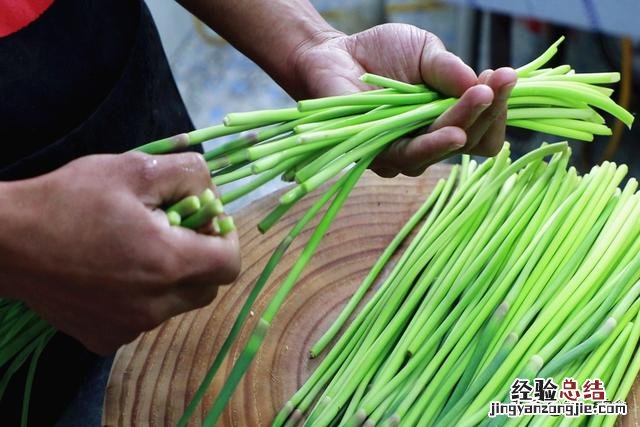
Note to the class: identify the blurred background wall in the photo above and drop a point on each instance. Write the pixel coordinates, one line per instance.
(602, 35)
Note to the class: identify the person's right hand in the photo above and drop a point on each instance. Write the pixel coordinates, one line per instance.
(86, 247)
(331, 63)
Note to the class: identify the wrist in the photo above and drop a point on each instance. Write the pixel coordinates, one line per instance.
(16, 228)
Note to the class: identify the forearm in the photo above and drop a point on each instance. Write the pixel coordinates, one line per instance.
(271, 33)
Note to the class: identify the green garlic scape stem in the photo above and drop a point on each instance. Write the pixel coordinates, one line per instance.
(260, 331)
(322, 138)
(255, 291)
(535, 271)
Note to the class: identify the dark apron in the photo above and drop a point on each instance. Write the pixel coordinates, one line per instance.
(143, 105)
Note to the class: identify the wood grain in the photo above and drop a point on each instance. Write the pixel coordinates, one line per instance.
(153, 378)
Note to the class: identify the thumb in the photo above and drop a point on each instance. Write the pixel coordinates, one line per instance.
(444, 71)
(162, 179)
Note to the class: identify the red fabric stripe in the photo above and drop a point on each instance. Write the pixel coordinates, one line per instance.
(17, 14)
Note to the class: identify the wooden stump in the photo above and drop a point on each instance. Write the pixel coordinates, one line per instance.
(153, 378)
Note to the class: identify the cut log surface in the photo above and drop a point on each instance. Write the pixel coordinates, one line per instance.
(153, 378)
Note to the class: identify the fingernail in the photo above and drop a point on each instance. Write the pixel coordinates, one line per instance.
(454, 149)
(477, 110)
(481, 107)
(457, 145)
(505, 91)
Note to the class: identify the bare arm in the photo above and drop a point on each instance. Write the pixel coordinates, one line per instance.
(269, 32)
(309, 58)
(12, 229)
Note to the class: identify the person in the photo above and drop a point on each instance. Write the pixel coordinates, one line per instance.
(82, 242)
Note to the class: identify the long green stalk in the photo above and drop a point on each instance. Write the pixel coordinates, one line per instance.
(322, 138)
(376, 269)
(260, 330)
(255, 291)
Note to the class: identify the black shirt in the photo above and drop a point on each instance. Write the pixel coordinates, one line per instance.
(88, 76)
(55, 72)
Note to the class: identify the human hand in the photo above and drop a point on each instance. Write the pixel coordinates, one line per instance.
(331, 64)
(87, 249)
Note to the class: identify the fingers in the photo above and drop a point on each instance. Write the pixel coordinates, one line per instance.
(383, 171)
(484, 76)
(186, 269)
(204, 263)
(193, 266)
(465, 112)
(493, 139)
(166, 178)
(188, 266)
(210, 259)
(486, 136)
(411, 157)
(443, 70)
(185, 299)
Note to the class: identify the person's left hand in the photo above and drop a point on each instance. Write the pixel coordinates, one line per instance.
(331, 64)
